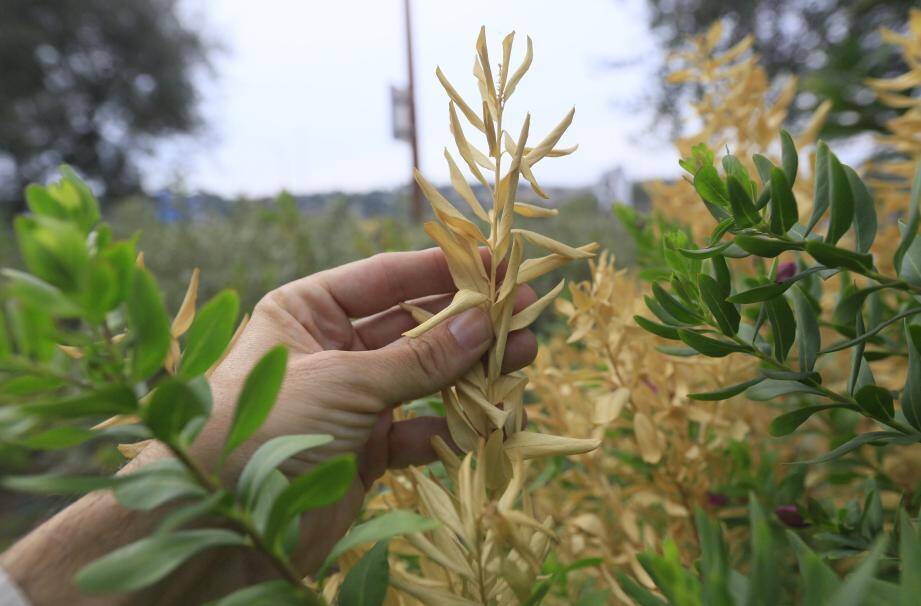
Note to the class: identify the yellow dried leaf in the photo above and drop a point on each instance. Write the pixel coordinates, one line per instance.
(529, 445)
(521, 71)
(506, 57)
(446, 212)
(526, 316)
(186, 313)
(534, 268)
(462, 431)
(544, 147)
(647, 439)
(437, 502)
(427, 595)
(419, 315)
(609, 405)
(139, 261)
(458, 565)
(471, 115)
(116, 421)
(463, 300)
(509, 284)
(75, 353)
(464, 190)
(461, 264)
(129, 451)
(531, 210)
(552, 245)
(463, 147)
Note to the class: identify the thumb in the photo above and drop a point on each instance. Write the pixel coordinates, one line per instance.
(413, 368)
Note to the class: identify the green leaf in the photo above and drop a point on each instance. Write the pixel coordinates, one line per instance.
(268, 457)
(857, 442)
(57, 438)
(722, 274)
(258, 396)
(910, 556)
(772, 388)
(819, 579)
(788, 422)
(765, 586)
(109, 400)
(323, 485)
(84, 211)
(865, 224)
(41, 202)
(725, 313)
(155, 484)
(872, 332)
(145, 562)
(784, 212)
(789, 157)
(32, 290)
(149, 325)
(875, 401)
(743, 209)
(856, 587)
(366, 582)
(783, 326)
(832, 256)
(766, 247)
(914, 219)
(911, 394)
(726, 392)
(764, 167)
(53, 250)
(807, 330)
(638, 593)
(708, 346)
(210, 333)
(58, 484)
(714, 561)
(276, 593)
(842, 203)
(184, 514)
(393, 523)
(704, 253)
(762, 292)
(173, 406)
(712, 190)
(674, 308)
(6, 347)
(822, 189)
(910, 270)
(849, 306)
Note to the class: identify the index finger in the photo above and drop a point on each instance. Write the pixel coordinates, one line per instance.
(372, 285)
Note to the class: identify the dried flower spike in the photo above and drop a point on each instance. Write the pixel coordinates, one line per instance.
(485, 401)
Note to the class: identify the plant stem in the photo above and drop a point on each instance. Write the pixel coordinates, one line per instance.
(828, 393)
(242, 521)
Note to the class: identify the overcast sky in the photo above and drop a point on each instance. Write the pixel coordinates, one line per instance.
(300, 97)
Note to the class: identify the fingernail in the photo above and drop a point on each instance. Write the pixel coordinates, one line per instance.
(471, 329)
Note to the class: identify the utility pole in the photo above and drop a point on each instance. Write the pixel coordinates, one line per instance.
(415, 209)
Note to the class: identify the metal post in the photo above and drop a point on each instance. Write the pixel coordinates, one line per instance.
(415, 209)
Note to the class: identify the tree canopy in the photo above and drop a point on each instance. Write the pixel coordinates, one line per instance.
(93, 84)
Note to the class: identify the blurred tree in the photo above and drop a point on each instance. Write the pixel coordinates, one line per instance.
(832, 45)
(92, 84)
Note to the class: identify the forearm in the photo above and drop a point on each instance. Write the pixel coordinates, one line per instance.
(45, 561)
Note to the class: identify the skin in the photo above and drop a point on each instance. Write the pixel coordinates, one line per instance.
(348, 368)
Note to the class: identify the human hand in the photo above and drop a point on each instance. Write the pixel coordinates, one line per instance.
(348, 367)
